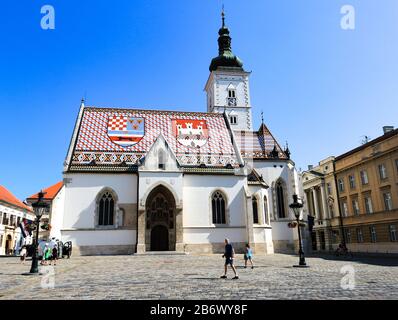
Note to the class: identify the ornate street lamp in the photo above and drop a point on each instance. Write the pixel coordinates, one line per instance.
(297, 206)
(39, 208)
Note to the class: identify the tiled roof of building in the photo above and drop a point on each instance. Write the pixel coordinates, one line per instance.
(7, 197)
(259, 144)
(49, 193)
(116, 138)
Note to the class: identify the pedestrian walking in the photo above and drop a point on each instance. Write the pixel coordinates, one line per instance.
(248, 256)
(46, 254)
(229, 255)
(54, 256)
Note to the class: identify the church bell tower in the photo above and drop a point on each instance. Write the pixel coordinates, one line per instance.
(228, 85)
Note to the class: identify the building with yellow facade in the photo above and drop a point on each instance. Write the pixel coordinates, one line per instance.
(353, 198)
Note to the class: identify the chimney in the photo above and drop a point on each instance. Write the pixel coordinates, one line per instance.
(310, 167)
(387, 129)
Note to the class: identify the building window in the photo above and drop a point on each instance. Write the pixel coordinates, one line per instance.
(387, 201)
(233, 119)
(329, 189)
(106, 210)
(255, 210)
(266, 209)
(364, 177)
(382, 171)
(12, 221)
(340, 183)
(368, 205)
(355, 207)
(18, 221)
(218, 208)
(161, 160)
(5, 219)
(373, 236)
(393, 232)
(348, 235)
(231, 98)
(359, 235)
(280, 200)
(344, 209)
(396, 164)
(351, 179)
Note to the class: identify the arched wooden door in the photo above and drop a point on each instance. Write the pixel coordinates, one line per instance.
(160, 220)
(159, 238)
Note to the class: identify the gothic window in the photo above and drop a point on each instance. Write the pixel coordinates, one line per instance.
(106, 210)
(218, 208)
(234, 119)
(255, 210)
(161, 160)
(280, 200)
(266, 209)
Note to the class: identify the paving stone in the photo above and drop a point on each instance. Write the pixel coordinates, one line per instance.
(197, 277)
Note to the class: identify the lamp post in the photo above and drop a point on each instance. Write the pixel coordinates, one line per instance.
(39, 208)
(296, 206)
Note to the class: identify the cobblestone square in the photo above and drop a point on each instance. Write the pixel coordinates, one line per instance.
(197, 277)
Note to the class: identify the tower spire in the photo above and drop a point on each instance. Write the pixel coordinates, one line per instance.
(223, 16)
(225, 56)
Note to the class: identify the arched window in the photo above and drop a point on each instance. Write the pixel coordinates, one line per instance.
(255, 210)
(106, 210)
(218, 208)
(280, 200)
(266, 209)
(161, 160)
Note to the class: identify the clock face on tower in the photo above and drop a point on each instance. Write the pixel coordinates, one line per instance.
(231, 102)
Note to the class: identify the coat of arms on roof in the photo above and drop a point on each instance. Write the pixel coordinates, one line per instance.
(125, 131)
(191, 133)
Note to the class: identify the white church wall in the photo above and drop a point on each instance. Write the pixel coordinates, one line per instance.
(198, 190)
(283, 237)
(100, 237)
(57, 213)
(82, 189)
(200, 235)
(214, 235)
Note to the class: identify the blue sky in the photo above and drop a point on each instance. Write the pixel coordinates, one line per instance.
(321, 88)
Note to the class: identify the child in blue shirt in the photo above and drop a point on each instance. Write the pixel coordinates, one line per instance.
(248, 255)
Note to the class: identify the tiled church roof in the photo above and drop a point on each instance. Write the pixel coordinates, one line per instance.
(259, 145)
(94, 149)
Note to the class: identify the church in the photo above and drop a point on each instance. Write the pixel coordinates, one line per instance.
(151, 180)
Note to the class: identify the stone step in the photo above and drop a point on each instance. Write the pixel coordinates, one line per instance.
(161, 253)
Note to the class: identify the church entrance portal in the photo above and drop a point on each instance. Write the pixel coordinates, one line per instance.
(160, 232)
(159, 238)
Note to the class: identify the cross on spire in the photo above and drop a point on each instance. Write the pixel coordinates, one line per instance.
(223, 16)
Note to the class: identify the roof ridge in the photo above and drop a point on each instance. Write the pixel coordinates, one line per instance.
(90, 108)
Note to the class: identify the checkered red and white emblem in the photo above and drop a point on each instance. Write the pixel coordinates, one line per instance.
(117, 123)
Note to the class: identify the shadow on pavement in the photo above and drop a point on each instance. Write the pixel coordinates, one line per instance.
(387, 261)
